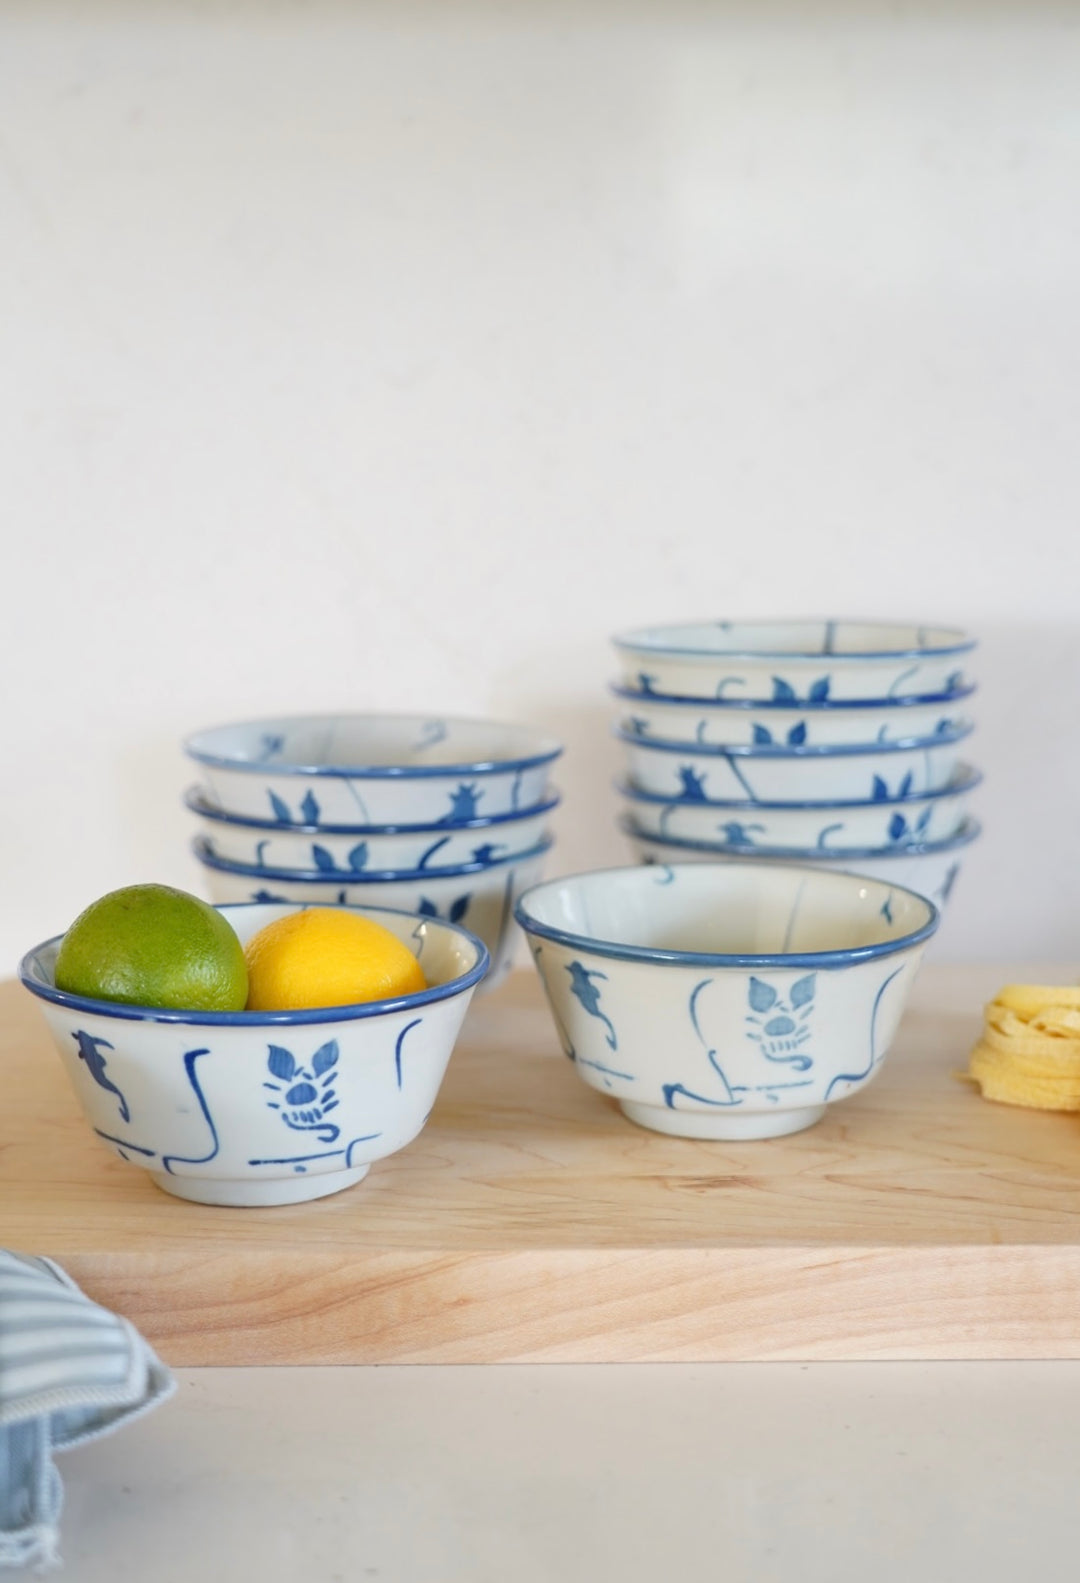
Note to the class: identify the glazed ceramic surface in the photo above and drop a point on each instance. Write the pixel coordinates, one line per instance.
(479, 896)
(254, 1108)
(794, 775)
(794, 661)
(351, 852)
(373, 769)
(736, 723)
(728, 1000)
(813, 826)
(930, 870)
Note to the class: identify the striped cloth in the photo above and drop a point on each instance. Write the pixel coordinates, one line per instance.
(69, 1370)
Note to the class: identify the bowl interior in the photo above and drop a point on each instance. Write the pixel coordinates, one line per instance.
(446, 952)
(731, 909)
(357, 742)
(810, 638)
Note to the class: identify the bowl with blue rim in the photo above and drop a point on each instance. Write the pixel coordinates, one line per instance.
(732, 1000)
(480, 895)
(931, 868)
(373, 769)
(795, 662)
(254, 1108)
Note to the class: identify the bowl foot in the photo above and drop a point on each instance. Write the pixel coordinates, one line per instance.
(251, 1194)
(728, 1125)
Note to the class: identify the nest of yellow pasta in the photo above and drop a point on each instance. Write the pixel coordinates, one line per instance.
(1029, 1053)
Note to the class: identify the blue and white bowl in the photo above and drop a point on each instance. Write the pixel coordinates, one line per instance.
(733, 722)
(480, 896)
(729, 1000)
(327, 770)
(888, 821)
(930, 869)
(794, 662)
(351, 852)
(252, 1107)
(793, 775)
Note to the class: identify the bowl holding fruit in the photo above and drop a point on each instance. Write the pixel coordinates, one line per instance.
(254, 1054)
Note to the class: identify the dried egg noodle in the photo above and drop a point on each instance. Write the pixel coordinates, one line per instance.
(1029, 1053)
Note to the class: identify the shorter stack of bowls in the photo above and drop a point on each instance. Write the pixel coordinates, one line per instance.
(834, 743)
(447, 818)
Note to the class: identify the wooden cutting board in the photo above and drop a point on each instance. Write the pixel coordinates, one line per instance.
(530, 1221)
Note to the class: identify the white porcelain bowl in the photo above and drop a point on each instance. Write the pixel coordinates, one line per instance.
(727, 1000)
(730, 722)
(792, 775)
(479, 896)
(813, 826)
(396, 770)
(350, 853)
(930, 870)
(251, 1108)
(794, 661)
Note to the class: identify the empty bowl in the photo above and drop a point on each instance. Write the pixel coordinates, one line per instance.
(354, 850)
(886, 821)
(794, 661)
(251, 1108)
(931, 869)
(793, 774)
(326, 770)
(726, 1000)
(733, 722)
(480, 896)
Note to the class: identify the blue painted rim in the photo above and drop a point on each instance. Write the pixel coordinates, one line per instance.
(796, 706)
(384, 876)
(194, 799)
(955, 788)
(842, 750)
(546, 753)
(636, 642)
(796, 959)
(269, 1019)
(970, 830)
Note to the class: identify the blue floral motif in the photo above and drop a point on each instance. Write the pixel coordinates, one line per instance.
(90, 1050)
(358, 856)
(323, 860)
(306, 1092)
(487, 852)
(584, 990)
(270, 745)
(266, 895)
(738, 834)
(280, 807)
(880, 788)
(645, 681)
(779, 1026)
(638, 726)
(903, 833)
(785, 693)
(455, 912)
(310, 808)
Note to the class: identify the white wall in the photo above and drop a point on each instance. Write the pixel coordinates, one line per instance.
(392, 355)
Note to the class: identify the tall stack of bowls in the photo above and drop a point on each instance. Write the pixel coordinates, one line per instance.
(443, 817)
(835, 743)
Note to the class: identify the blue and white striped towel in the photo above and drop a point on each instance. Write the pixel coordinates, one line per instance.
(69, 1371)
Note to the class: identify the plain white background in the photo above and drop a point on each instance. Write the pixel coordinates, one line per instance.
(392, 355)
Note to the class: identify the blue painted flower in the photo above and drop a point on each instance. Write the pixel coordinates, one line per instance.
(306, 1092)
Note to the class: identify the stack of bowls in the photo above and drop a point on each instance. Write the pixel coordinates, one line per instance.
(447, 818)
(840, 744)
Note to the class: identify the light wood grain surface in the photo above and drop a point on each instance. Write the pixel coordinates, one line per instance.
(530, 1221)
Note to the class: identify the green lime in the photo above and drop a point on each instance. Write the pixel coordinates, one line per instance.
(150, 945)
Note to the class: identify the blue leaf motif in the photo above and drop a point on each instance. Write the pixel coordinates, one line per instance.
(762, 995)
(692, 783)
(819, 691)
(783, 692)
(897, 827)
(923, 821)
(762, 736)
(802, 991)
(358, 856)
(459, 908)
(310, 808)
(797, 735)
(325, 1057)
(427, 909)
(281, 809)
(881, 791)
(323, 859)
(281, 1063)
(906, 785)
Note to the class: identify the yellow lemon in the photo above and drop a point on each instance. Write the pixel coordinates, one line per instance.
(327, 957)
